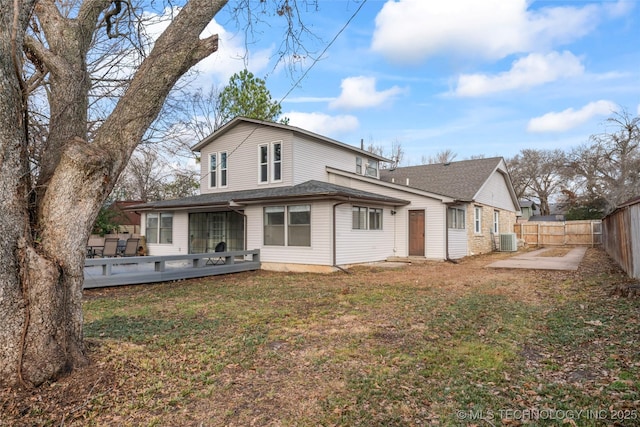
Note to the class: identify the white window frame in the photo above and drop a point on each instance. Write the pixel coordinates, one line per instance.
(213, 170)
(371, 168)
(456, 218)
(276, 164)
(224, 169)
(496, 222)
(359, 165)
(263, 166)
(268, 168)
(156, 237)
(477, 219)
(218, 170)
(364, 218)
(287, 227)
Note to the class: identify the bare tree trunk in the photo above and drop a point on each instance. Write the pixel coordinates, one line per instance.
(42, 243)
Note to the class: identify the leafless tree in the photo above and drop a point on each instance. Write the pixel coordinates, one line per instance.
(608, 167)
(444, 156)
(48, 210)
(538, 174)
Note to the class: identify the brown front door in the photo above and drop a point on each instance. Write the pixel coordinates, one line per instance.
(416, 233)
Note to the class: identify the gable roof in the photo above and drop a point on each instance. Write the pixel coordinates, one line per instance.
(317, 137)
(310, 190)
(461, 180)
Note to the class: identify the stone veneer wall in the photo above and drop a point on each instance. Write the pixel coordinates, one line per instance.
(486, 241)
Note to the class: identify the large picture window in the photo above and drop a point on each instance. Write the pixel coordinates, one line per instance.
(291, 224)
(364, 218)
(159, 228)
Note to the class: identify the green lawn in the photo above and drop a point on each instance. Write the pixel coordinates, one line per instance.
(431, 344)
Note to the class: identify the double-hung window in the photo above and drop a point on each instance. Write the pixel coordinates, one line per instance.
(372, 168)
(477, 219)
(218, 169)
(270, 162)
(496, 222)
(159, 227)
(363, 218)
(456, 218)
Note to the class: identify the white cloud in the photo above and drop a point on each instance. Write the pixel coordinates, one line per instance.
(323, 124)
(532, 70)
(409, 31)
(360, 92)
(570, 118)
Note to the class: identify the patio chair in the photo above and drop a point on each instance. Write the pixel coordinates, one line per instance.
(220, 247)
(110, 247)
(131, 247)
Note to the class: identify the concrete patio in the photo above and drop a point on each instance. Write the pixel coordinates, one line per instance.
(537, 261)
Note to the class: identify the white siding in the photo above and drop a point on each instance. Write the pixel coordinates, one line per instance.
(303, 159)
(310, 159)
(358, 246)
(319, 253)
(435, 217)
(180, 243)
(495, 193)
(241, 145)
(457, 243)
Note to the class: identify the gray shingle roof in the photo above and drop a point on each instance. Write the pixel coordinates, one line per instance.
(310, 189)
(460, 180)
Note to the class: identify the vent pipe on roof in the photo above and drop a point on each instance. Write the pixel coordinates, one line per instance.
(362, 143)
(407, 181)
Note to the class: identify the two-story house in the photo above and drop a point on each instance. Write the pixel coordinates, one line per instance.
(309, 202)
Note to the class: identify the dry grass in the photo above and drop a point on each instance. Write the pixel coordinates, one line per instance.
(437, 343)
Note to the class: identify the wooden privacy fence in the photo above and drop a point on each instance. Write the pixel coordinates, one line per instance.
(560, 233)
(622, 237)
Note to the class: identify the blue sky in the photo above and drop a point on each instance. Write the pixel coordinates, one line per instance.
(486, 77)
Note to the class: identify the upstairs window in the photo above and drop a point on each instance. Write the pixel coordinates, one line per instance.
(372, 168)
(359, 165)
(276, 150)
(218, 170)
(270, 162)
(264, 163)
(223, 169)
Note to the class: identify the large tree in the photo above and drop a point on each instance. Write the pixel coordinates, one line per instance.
(247, 95)
(538, 174)
(45, 224)
(606, 171)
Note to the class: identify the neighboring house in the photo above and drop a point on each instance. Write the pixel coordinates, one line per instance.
(127, 220)
(309, 202)
(528, 209)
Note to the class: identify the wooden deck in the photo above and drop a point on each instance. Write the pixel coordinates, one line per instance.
(104, 272)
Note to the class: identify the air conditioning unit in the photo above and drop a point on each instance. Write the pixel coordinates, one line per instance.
(508, 242)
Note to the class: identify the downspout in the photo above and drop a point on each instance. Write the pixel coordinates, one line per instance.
(335, 234)
(446, 234)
